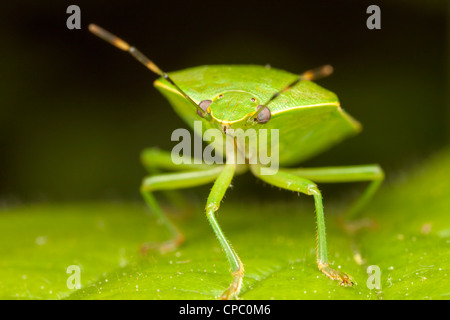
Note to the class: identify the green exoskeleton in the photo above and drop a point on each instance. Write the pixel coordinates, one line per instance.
(309, 119)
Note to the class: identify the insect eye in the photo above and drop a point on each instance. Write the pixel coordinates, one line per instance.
(264, 115)
(204, 106)
(253, 99)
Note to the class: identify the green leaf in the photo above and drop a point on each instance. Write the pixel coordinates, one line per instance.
(274, 239)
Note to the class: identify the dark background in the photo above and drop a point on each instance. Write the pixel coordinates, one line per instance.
(75, 112)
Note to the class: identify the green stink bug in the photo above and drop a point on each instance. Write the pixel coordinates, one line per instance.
(309, 119)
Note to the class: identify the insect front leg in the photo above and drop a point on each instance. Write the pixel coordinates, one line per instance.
(171, 181)
(372, 172)
(156, 161)
(289, 181)
(215, 197)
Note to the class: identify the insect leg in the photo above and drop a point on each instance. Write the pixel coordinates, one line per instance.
(153, 158)
(373, 173)
(170, 181)
(215, 197)
(289, 181)
(155, 161)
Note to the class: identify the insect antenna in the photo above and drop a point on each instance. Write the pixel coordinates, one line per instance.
(313, 74)
(121, 44)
